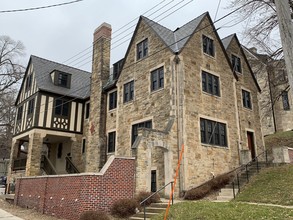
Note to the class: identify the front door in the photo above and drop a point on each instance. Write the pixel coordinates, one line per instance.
(250, 141)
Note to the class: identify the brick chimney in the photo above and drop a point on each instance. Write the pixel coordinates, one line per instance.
(96, 151)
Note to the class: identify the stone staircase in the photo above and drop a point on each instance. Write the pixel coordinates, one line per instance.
(226, 194)
(152, 210)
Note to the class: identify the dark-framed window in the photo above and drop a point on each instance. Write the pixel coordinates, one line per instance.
(213, 133)
(285, 100)
(208, 45)
(153, 181)
(83, 145)
(111, 141)
(30, 108)
(29, 80)
(19, 113)
(87, 110)
(246, 99)
(157, 79)
(61, 107)
(63, 79)
(134, 132)
(128, 91)
(113, 100)
(210, 83)
(142, 49)
(236, 64)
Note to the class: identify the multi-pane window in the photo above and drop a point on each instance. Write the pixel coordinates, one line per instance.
(208, 45)
(213, 133)
(111, 141)
(113, 100)
(145, 124)
(83, 145)
(142, 49)
(30, 108)
(19, 113)
(157, 79)
(246, 99)
(210, 83)
(236, 64)
(61, 107)
(28, 84)
(87, 110)
(153, 181)
(63, 80)
(285, 100)
(128, 91)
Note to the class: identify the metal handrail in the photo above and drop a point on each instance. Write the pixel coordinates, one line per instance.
(47, 166)
(70, 167)
(163, 187)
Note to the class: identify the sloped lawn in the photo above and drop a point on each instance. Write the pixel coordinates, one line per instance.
(273, 185)
(225, 211)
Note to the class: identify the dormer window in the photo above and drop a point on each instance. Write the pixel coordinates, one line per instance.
(61, 79)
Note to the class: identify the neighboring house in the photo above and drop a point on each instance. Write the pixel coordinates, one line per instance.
(172, 89)
(276, 98)
(49, 124)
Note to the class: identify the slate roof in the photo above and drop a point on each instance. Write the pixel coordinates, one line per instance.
(175, 40)
(227, 40)
(80, 80)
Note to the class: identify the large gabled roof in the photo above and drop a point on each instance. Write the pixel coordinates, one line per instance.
(80, 80)
(177, 39)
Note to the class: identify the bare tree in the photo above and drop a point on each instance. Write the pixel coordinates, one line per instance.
(11, 70)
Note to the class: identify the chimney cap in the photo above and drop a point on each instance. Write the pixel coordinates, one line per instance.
(103, 31)
(104, 24)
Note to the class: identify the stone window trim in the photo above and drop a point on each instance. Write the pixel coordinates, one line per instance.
(208, 46)
(216, 89)
(222, 121)
(246, 99)
(285, 101)
(142, 49)
(109, 107)
(236, 63)
(111, 144)
(157, 79)
(128, 91)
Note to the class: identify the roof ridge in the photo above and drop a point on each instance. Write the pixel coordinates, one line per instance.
(54, 62)
(203, 14)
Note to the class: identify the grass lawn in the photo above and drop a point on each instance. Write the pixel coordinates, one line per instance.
(225, 211)
(273, 185)
(279, 139)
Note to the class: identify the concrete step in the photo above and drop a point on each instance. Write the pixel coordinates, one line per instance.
(138, 218)
(147, 214)
(226, 192)
(159, 205)
(225, 198)
(155, 209)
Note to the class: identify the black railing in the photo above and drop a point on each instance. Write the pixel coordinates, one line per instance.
(70, 167)
(47, 166)
(143, 203)
(245, 171)
(19, 164)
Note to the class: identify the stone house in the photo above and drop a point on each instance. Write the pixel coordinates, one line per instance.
(173, 89)
(275, 100)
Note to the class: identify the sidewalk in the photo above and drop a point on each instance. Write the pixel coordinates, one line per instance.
(7, 216)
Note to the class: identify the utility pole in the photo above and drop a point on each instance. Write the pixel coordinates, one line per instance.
(286, 33)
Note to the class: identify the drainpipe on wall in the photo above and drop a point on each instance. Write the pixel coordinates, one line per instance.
(179, 107)
(239, 142)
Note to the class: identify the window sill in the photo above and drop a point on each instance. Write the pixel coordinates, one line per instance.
(128, 102)
(140, 59)
(247, 109)
(239, 73)
(210, 56)
(157, 90)
(112, 110)
(212, 95)
(215, 146)
(110, 153)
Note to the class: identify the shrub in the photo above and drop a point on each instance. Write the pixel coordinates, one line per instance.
(143, 195)
(124, 208)
(208, 187)
(93, 215)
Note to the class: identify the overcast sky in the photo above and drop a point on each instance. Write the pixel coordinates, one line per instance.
(60, 33)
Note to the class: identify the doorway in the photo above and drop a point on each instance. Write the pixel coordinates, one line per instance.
(250, 142)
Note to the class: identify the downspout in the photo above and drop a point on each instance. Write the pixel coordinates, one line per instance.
(239, 142)
(179, 106)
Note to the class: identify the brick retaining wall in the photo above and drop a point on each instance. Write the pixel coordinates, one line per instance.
(67, 196)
